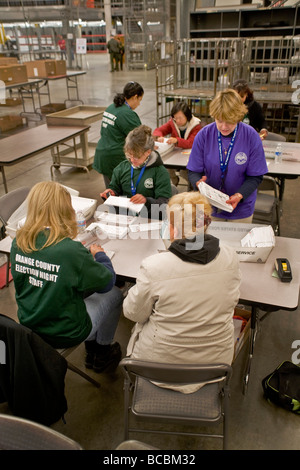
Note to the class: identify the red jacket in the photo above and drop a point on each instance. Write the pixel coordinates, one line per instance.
(171, 128)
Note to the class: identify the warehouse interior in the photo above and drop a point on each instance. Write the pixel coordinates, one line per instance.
(259, 42)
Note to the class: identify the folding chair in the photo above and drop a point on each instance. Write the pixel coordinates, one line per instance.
(147, 401)
(267, 206)
(22, 434)
(8, 204)
(65, 352)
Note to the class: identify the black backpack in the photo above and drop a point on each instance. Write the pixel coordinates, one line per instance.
(282, 387)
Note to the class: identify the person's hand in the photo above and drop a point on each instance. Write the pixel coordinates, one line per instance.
(108, 192)
(138, 199)
(204, 178)
(94, 248)
(263, 134)
(234, 199)
(172, 140)
(160, 139)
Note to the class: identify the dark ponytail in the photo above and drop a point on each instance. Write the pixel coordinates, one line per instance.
(130, 89)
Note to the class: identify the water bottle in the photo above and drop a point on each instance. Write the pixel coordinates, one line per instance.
(81, 222)
(278, 154)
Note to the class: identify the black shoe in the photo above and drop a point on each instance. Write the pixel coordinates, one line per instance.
(90, 348)
(107, 357)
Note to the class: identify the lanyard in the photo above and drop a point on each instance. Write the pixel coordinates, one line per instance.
(224, 164)
(133, 188)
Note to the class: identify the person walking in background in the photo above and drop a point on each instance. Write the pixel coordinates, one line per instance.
(121, 52)
(113, 49)
(118, 120)
(62, 46)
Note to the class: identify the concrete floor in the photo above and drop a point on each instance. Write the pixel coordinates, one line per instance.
(95, 416)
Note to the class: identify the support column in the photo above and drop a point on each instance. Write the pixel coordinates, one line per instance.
(108, 20)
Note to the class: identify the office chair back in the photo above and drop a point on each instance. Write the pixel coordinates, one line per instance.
(267, 205)
(10, 202)
(146, 400)
(22, 434)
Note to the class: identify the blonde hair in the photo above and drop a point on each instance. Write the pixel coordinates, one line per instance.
(49, 205)
(228, 106)
(189, 213)
(139, 140)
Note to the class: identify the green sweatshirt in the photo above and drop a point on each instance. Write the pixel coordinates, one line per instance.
(50, 286)
(155, 183)
(117, 122)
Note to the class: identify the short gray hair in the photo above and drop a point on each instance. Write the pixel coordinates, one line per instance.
(139, 140)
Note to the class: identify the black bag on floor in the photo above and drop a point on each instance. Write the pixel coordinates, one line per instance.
(282, 387)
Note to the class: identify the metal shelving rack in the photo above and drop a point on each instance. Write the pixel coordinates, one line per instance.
(198, 68)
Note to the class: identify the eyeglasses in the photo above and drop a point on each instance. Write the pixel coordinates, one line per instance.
(129, 156)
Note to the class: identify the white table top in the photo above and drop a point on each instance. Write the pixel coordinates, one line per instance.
(258, 285)
(178, 158)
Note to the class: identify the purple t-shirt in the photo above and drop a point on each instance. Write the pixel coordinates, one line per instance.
(247, 159)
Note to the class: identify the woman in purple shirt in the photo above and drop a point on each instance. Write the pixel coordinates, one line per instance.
(228, 155)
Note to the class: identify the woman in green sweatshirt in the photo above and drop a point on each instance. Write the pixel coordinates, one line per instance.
(142, 177)
(118, 120)
(64, 292)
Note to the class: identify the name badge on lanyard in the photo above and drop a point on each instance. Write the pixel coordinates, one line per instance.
(133, 188)
(224, 163)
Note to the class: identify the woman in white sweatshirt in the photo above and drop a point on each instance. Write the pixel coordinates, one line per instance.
(183, 300)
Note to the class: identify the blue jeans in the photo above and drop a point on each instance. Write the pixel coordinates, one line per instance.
(104, 311)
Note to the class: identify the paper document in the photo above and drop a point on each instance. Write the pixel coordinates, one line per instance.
(111, 231)
(259, 237)
(124, 202)
(118, 219)
(145, 227)
(85, 205)
(215, 197)
(163, 148)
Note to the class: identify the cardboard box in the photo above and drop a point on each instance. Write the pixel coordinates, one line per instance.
(52, 108)
(232, 233)
(11, 102)
(60, 67)
(41, 68)
(8, 122)
(86, 205)
(76, 116)
(11, 74)
(8, 60)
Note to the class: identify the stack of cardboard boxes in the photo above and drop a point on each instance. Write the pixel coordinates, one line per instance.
(11, 72)
(46, 68)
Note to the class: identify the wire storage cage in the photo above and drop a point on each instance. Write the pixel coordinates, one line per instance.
(195, 69)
